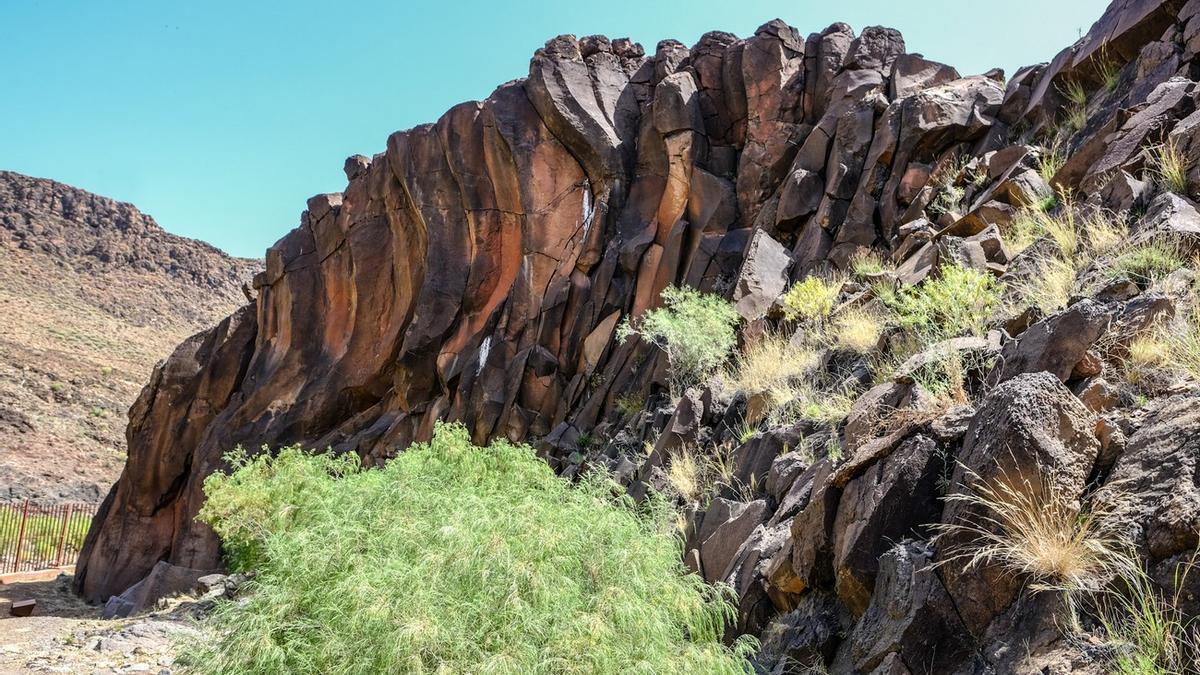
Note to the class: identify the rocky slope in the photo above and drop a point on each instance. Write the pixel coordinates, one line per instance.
(92, 294)
(477, 271)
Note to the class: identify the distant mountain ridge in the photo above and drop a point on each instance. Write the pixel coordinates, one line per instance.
(94, 293)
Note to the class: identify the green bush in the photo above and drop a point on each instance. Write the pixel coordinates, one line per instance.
(811, 299)
(452, 559)
(696, 330)
(956, 302)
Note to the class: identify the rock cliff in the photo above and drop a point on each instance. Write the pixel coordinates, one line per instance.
(477, 271)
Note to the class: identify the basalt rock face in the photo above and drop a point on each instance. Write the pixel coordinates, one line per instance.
(477, 270)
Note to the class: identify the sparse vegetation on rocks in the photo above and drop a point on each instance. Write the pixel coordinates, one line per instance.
(695, 330)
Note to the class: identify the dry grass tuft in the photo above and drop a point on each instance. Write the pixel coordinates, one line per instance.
(1168, 167)
(1050, 160)
(1148, 262)
(1185, 345)
(1049, 287)
(683, 473)
(772, 365)
(857, 330)
(867, 264)
(1029, 527)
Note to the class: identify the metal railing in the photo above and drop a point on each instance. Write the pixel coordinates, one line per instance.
(36, 537)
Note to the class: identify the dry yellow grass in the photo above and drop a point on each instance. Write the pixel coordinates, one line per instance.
(683, 473)
(1030, 527)
(1049, 287)
(771, 365)
(857, 330)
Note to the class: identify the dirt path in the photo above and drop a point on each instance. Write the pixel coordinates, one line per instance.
(66, 635)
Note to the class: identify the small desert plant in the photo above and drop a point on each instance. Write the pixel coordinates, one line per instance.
(696, 330)
(1077, 109)
(1050, 285)
(1148, 262)
(828, 407)
(957, 301)
(1149, 358)
(811, 299)
(1184, 342)
(945, 379)
(773, 366)
(454, 558)
(1168, 166)
(1027, 526)
(747, 431)
(1078, 238)
(868, 264)
(1050, 160)
(1150, 632)
(1103, 232)
(857, 330)
(683, 473)
(1032, 224)
(631, 404)
(947, 200)
(834, 450)
(1074, 92)
(1110, 72)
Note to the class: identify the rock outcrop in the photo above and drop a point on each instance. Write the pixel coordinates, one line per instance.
(477, 271)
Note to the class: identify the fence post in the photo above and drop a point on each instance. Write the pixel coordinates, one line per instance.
(21, 536)
(62, 537)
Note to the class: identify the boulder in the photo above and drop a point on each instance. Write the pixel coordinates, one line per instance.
(893, 499)
(1154, 487)
(763, 277)
(1029, 433)
(165, 580)
(725, 527)
(911, 619)
(1056, 344)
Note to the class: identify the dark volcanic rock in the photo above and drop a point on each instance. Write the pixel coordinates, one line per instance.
(478, 269)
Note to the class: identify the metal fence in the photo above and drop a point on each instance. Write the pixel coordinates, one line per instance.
(37, 537)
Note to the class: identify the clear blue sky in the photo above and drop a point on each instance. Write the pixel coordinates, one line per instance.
(220, 118)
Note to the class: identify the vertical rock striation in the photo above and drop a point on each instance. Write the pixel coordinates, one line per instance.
(478, 268)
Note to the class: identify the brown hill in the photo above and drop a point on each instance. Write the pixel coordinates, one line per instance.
(92, 294)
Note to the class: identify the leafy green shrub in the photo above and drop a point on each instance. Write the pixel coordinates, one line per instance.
(696, 330)
(957, 301)
(811, 299)
(452, 559)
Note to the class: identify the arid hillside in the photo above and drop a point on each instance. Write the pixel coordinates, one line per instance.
(93, 293)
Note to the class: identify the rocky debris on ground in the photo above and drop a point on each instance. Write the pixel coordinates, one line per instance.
(69, 636)
(477, 270)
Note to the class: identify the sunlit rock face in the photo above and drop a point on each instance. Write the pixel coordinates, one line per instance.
(478, 268)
